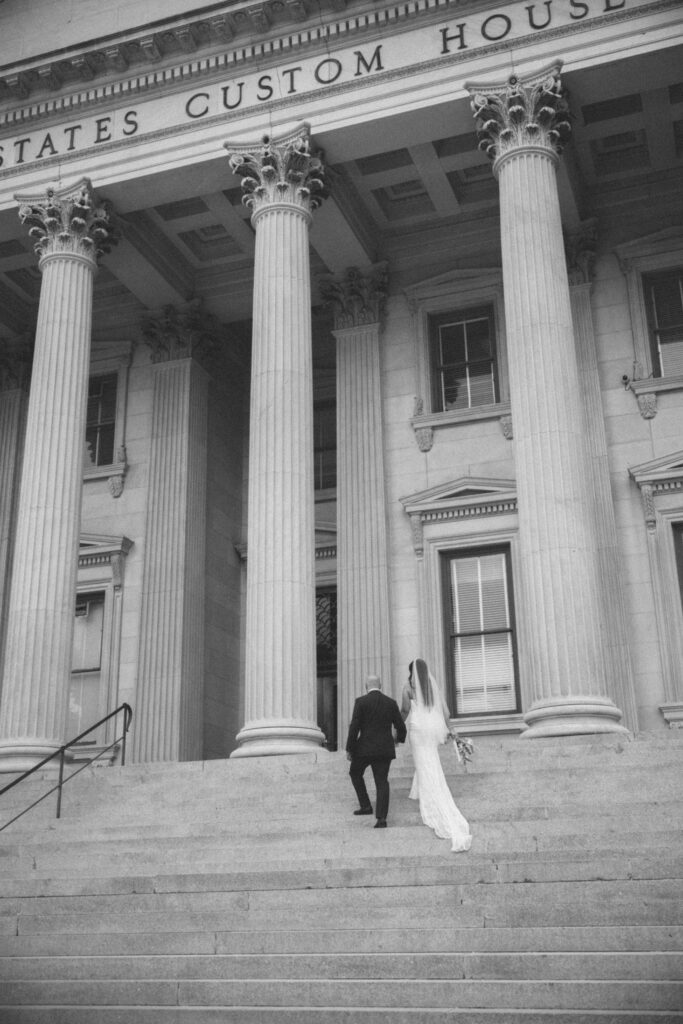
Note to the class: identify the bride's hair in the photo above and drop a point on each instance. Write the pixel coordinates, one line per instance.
(418, 668)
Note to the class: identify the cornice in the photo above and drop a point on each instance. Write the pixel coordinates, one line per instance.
(178, 48)
(264, 34)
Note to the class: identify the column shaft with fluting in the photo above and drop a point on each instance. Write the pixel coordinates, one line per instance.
(168, 722)
(38, 654)
(12, 421)
(565, 638)
(363, 614)
(621, 684)
(280, 178)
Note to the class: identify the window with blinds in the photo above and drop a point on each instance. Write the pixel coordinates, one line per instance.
(85, 694)
(481, 655)
(678, 548)
(664, 302)
(463, 352)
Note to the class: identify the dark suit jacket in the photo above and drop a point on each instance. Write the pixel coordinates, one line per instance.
(370, 735)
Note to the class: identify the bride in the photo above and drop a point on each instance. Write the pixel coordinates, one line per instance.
(427, 715)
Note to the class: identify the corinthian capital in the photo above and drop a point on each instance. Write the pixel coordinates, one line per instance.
(184, 334)
(358, 297)
(580, 246)
(69, 221)
(280, 170)
(15, 364)
(521, 112)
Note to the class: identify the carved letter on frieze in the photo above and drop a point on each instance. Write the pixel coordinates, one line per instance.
(282, 170)
(70, 221)
(358, 297)
(522, 112)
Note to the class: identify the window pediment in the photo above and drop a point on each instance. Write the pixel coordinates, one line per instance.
(463, 493)
(667, 470)
(660, 243)
(454, 282)
(465, 498)
(657, 477)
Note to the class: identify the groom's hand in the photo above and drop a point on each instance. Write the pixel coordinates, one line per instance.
(348, 756)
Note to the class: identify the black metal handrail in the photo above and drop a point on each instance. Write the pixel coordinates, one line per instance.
(60, 753)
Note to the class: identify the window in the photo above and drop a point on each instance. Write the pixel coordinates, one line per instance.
(678, 548)
(464, 371)
(85, 695)
(101, 419)
(481, 656)
(664, 305)
(325, 445)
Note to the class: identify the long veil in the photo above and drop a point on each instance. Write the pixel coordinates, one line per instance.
(433, 707)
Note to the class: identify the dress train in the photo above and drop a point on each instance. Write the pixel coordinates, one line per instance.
(426, 732)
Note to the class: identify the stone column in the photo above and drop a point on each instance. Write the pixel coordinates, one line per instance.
(71, 230)
(283, 184)
(580, 249)
(363, 573)
(15, 372)
(566, 644)
(168, 723)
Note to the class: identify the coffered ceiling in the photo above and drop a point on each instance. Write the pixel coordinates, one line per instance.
(415, 191)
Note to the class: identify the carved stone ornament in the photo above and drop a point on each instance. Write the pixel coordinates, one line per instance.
(280, 170)
(647, 404)
(358, 297)
(580, 249)
(418, 533)
(647, 494)
(115, 482)
(506, 427)
(425, 438)
(183, 334)
(69, 221)
(521, 112)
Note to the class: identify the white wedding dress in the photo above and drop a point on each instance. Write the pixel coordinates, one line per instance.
(426, 732)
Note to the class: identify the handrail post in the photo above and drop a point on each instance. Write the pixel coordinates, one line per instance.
(123, 738)
(61, 781)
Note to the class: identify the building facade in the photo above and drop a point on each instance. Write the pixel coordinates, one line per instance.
(333, 335)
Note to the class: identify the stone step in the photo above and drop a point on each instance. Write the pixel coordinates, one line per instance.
(345, 872)
(450, 939)
(330, 1015)
(580, 904)
(222, 852)
(490, 755)
(638, 966)
(397, 993)
(340, 826)
(480, 797)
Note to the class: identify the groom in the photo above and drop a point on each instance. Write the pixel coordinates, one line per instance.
(371, 743)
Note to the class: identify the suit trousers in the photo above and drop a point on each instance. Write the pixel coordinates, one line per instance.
(380, 770)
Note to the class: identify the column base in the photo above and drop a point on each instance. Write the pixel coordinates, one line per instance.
(572, 716)
(284, 737)
(22, 755)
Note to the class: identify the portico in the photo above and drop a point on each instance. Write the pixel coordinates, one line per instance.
(308, 219)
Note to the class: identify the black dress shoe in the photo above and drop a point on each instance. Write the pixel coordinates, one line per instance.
(364, 810)
(381, 823)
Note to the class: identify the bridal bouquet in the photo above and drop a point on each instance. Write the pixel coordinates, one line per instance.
(464, 748)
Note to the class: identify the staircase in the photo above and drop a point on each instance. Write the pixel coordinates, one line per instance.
(246, 891)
